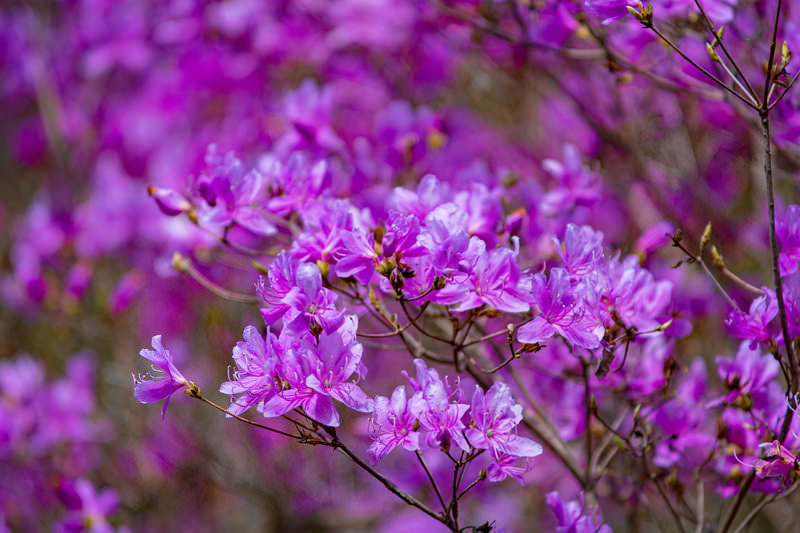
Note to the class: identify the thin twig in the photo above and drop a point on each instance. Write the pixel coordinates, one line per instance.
(709, 75)
(430, 478)
(772, 45)
(696, 258)
(766, 500)
(394, 489)
(718, 39)
(198, 395)
(184, 264)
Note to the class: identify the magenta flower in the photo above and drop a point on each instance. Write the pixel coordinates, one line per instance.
(610, 10)
(392, 425)
(506, 466)
(787, 230)
(401, 236)
(309, 109)
(297, 181)
(324, 223)
(89, 509)
(440, 420)
(493, 278)
(254, 378)
(495, 416)
(168, 201)
(562, 313)
(577, 185)
(318, 373)
(294, 294)
(359, 257)
(581, 249)
(778, 461)
(232, 194)
(165, 380)
(754, 325)
(749, 372)
(574, 517)
(429, 195)
(791, 297)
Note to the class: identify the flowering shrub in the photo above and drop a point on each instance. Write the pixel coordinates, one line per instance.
(465, 241)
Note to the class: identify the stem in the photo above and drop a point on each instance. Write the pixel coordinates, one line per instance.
(745, 486)
(793, 369)
(470, 486)
(188, 268)
(713, 78)
(699, 260)
(737, 82)
(768, 80)
(788, 87)
(419, 328)
(454, 502)
(661, 492)
(750, 92)
(742, 283)
(501, 365)
(587, 481)
(394, 489)
(202, 398)
(773, 245)
(701, 506)
(766, 500)
(430, 478)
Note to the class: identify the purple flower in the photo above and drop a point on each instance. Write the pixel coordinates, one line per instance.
(359, 257)
(401, 236)
(749, 372)
(294, 294)
(164, 382)
(309, 109)
(170, 202)
(574, 517)
(562, 313)
(483, 210)
(581, 249)
(324, 224)
(753, 325)
(317, 373)
(296, 183)
(630, 291)
(232, 195)
(254, 378)
(787, 230)
(577, 185)
(89, 509)
(440, 420)
(445, 246)
(610, 10)
(495, 416)
(429, 195)
(684, 419)
(654, 237)
(493, 278)
(778, 461)
(392, 425)
(78, 280)
(125, 291)
(791, 297)
(506, 465)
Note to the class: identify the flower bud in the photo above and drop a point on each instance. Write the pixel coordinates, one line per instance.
(170, 202)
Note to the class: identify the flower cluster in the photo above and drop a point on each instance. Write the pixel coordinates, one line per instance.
(484, 190)
(430, 418)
